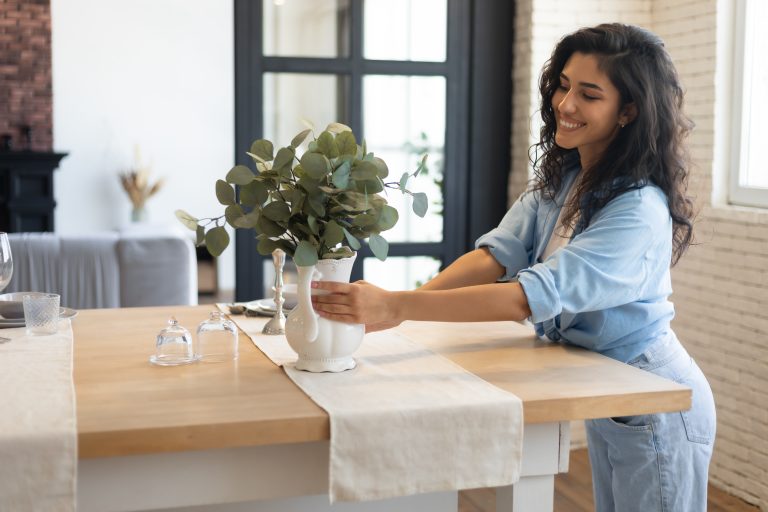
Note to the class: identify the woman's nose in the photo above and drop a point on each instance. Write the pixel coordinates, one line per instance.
(566, 105)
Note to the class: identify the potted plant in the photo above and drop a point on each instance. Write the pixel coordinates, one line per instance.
(317, 207)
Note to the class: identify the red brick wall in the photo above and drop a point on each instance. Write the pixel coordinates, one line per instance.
(25, 73)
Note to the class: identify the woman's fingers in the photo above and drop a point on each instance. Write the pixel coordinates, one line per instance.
(332, 286)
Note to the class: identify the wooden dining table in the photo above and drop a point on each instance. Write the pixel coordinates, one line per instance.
(239, 435)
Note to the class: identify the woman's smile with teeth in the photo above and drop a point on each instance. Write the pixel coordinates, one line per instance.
(566, 124)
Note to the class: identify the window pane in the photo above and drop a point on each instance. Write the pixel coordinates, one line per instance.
(404, 117)
(291, 97)
(400, 273)
(755, 110)
(306, 28)
(405, 30)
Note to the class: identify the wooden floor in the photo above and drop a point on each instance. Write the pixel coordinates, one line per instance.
(573, 493)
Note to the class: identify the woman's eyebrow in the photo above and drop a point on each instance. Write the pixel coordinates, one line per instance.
(589, 85)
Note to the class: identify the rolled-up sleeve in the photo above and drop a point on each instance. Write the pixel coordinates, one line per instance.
(511, 243)
(607, 264)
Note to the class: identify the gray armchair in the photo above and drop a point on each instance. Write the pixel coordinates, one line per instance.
(106, 270)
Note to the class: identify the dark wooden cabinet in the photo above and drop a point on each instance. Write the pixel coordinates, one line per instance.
(26, 190)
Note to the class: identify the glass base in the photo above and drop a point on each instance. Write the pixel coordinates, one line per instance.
(171, 360)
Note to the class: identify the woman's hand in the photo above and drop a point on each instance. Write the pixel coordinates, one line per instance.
(357, 303)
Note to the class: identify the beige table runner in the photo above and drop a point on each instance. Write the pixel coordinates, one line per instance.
(38, 433)
(407, 420)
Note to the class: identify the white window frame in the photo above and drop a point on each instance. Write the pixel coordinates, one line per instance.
(739, 192)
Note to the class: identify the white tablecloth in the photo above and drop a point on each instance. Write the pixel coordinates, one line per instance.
(38, 433)
(407, 420)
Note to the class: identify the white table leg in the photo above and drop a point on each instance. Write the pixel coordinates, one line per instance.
(530, 494)
(546, 448)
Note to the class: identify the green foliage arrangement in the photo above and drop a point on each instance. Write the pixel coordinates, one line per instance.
(320, 205)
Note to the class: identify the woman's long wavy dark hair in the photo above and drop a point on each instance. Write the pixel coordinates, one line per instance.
(650, 149)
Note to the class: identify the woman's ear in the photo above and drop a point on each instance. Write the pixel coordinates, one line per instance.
(628, 114)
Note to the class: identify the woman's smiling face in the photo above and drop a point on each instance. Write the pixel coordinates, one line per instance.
(587, 108)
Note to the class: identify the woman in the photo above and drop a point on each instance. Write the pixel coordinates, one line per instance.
(586, 252)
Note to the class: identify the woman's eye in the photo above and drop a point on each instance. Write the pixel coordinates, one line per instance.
(562, 87)
(590, 98)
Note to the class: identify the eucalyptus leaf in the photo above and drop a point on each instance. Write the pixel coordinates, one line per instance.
(199, 236)
(225, 193)
(312, 223)
(341, 175)
(317, 207)
(364, 171)
(283, 158)
(216, 240)
(188, 220)
(297, 200)
(232, 213)
(381, 167)
(338, 128)
(248, 221)
(263, 149)
(365, 219)
(316, 165)
(422, 165)
(369, 186)
(277, 211)
(269, 227)
(339, 253)
(346, 143)
(333, 234)
(388, 218)
(420, 204)
(305, 255)
(255, 193)
(310, 185)
(327, 145)
(300, 138)
(404, 181)
(266, 246)
(240, 175)
(379, 246)
(353, 242)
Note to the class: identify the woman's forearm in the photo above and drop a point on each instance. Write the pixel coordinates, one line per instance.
(481, 303)
(364, 303)
(474, 268)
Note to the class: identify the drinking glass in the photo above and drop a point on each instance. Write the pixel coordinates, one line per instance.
(41, 313)
(6, 261)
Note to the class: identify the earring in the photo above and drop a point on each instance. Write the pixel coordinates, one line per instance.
(622, 125)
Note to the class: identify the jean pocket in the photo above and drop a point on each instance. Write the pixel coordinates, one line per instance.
(699, 420)
(630, 423)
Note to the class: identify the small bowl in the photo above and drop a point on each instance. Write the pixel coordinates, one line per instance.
(11, 305)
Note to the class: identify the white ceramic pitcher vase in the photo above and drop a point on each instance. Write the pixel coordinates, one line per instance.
(322, 345)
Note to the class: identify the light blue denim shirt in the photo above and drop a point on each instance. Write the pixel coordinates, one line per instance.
(607, 289)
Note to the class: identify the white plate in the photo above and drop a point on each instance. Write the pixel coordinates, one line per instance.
(6, 323)
(264, 307)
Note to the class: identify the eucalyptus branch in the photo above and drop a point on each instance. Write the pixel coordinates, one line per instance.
(341, 200)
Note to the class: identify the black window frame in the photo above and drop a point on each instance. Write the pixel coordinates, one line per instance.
(478, 72)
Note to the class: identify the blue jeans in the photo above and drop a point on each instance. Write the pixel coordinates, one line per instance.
(656, 462)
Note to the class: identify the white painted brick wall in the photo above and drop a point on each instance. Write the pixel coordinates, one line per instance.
(721, 284)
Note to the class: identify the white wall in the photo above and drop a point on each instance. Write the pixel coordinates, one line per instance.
(154, 73)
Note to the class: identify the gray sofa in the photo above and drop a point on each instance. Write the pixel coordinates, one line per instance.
(106, 270)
